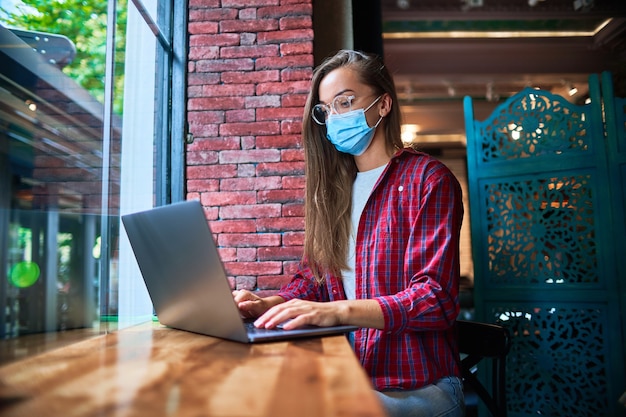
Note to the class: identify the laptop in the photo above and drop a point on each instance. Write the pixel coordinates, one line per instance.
(186, 279)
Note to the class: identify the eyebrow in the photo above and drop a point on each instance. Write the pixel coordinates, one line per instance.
(341, 93)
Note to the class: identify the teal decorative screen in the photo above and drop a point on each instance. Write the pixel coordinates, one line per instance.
(547, 185)
(558, 363)
(541, 230)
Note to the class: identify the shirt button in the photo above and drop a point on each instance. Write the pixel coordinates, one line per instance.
(400, 188)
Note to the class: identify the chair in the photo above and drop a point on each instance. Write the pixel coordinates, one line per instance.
(478, 341)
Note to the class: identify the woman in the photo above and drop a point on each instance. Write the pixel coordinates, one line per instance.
(381, 250)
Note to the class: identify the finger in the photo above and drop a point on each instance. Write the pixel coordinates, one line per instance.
(281, 314)
(272, 317)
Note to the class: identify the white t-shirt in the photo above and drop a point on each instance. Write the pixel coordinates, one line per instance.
(361, 190)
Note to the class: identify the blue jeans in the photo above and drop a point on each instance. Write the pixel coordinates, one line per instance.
(444, 398)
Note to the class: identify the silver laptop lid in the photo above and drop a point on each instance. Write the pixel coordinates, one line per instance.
(184, 275)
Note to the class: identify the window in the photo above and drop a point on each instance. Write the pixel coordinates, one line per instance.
(91, 127)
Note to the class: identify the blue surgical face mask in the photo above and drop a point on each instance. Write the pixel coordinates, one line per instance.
(349, 132)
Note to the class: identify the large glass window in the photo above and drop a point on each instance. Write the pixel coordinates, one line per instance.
(91, 127)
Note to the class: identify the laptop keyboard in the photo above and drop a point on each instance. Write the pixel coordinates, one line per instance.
(251, 329)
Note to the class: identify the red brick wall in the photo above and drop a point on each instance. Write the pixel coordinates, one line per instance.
(250, 64)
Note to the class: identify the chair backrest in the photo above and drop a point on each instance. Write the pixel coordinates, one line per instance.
(478, 341)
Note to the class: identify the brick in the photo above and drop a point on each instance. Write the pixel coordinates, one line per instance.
(263, 155)
(285, 36)
(203, 130)
(248, 38)
(202, 186)
(192, 196)
(291, 267)
(294, 238)
(278, 113)
(205, 117)
(289, 127)
(253, 268)
(292, 155)
(204, 52)
(240, 129)
(279, 224)
(280, 168)
(248, 240)
(275, 282)
(295, 22)
(250, 212)
(295, 61)
(246, 170)
(227, 254)
(228, 90)
(211, 171)
(248, 142)
(296, 48)
(233, 226)
(202, 27)
(225, 198)
(244, 282)
(297, 74)
(240, 26)
(211, 213)
(294, 100)
(220, 13)
(292, 87)
(202, 78)
(216, 40)
(247, 77)
(211, 103)
(262, 101)
(255, 51)
(214, 144)
(278, 142)
(234, 116)
(248, 255)
(247, 184)
(199, 4)
(295, 182)
(248, 3)
(219, 65)
(280, 253)
(202, 158)
(303, 9)
(247, 14)
(280, 196)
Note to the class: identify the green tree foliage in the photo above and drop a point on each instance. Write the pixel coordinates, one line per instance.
(84, 22)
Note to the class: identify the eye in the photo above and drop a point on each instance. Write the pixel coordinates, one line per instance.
(343, 103)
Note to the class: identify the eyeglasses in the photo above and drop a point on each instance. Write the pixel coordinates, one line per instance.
(339, 105)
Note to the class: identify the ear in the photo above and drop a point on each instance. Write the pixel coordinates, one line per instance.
(385, 105)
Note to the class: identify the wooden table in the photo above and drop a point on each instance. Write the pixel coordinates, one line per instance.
(150, 370)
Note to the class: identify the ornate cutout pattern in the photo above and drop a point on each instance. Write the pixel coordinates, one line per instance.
(535, 123)
(541, 231)
(557, 362)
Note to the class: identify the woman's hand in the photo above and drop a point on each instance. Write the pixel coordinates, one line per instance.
(251, 305)
(297, 313)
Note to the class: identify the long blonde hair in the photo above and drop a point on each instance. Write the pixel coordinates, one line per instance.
(330, 173)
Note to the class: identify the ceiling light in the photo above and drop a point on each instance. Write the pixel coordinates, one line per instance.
(403, 4)
(572, 90)
(583, 4)
(32, 106)
(408, 132)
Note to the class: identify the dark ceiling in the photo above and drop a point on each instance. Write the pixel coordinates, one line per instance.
(442, 50)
